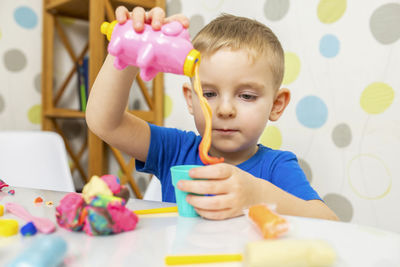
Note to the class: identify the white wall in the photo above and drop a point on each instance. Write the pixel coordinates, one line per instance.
(343, 71)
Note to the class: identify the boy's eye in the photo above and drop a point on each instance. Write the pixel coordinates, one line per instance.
(209, 94)
(248, 97)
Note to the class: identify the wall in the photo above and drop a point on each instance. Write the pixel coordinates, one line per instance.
(342, 61)
(20, 51)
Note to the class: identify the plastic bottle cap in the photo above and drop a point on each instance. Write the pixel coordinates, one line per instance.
(191, 59)
(8, 227)
(107, 28)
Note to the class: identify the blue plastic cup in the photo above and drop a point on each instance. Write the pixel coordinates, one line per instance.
(181, 172)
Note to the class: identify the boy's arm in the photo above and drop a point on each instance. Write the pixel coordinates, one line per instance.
(106, 113)
(266, 192)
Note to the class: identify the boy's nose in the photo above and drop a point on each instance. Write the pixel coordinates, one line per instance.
(226, 109)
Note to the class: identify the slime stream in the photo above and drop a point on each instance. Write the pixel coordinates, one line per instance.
(205, 143)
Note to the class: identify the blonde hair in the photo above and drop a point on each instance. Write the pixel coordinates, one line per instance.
(229, 31)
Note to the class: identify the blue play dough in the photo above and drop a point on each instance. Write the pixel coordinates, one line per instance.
(43, 251)
(28, 229)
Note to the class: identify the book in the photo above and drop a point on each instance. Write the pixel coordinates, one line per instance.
(86, 75)
(81, 87)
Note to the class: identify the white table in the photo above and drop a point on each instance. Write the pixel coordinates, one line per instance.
(156, 237)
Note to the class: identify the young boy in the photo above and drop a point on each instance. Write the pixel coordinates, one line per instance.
(241, 71)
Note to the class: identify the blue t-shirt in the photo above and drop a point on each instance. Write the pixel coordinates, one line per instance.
(170, 147)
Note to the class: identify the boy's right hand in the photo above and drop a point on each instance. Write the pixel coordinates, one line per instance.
(155, 17)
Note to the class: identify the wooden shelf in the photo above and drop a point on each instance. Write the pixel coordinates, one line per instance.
(96, 12)
(80, 8)
(64, 113)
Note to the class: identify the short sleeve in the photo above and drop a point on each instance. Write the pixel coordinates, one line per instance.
(287, 174)
(160, 153)
(169, 147)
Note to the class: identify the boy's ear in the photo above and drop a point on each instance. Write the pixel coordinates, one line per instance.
(187, 93)
(282, 99)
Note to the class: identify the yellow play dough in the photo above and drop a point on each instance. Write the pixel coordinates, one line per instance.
(96, 186)
(8, 227)
(1, 210)
(289, 252)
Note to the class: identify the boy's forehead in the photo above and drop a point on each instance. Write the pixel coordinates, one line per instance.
(223, 67)
(244, 58)
(252, 53)
(271, 65)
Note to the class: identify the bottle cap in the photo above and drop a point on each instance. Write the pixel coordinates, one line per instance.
(8, 227)
(191, 59)
(107, 28)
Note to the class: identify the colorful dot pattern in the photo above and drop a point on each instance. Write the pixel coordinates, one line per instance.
(376, 98)
(271, 137)
(25, 17)
(312, 112)
(292, 68)
(332, 106)
(20, 62)
(341, 66)
(330, 11)
(329, 46)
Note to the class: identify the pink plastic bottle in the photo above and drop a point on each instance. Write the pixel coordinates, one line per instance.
(166, 50)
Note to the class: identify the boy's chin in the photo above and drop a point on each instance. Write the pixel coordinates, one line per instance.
(226, 148)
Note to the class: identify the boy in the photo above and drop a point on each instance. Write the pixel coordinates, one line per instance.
(241, 72)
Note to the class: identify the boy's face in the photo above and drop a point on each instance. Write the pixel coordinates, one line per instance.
(241, 95)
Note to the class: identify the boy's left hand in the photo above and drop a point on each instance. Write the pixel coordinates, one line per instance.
(233, 190)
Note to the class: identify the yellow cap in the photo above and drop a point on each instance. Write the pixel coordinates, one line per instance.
(8, 227)
(1, 210)
(191, 59)
(107, 28)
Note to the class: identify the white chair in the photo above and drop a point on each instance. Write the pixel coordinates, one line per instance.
(35, 159)
(153, 190)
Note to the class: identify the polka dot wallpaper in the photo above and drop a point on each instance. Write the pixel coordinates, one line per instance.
(342, 66)
(20, 47)
(342, 60)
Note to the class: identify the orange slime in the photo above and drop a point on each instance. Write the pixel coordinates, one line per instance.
(205, 143)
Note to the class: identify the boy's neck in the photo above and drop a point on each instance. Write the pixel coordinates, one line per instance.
(235, 158)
